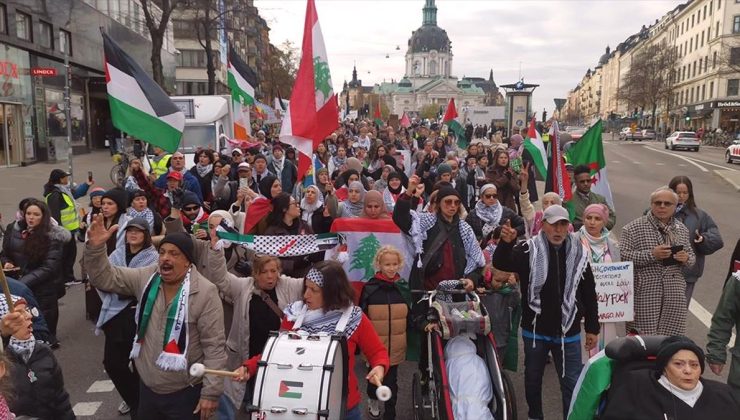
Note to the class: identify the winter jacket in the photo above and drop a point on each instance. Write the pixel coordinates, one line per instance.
(38, 385)
(287, 177)
(238, 291)
(476, 223)
(389, 312)
(579, 206)
(726, 316)
(190, 183)
(507, 185)
(205, 323)
(701, 221)
(204, 183)
(43, 277)
(515, 259)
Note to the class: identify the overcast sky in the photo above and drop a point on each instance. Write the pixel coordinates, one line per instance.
(555, 41)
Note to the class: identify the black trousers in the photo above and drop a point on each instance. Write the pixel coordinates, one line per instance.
(178, 405)
(49, 307)
(69, 253)
(119, 339)
(391, 381)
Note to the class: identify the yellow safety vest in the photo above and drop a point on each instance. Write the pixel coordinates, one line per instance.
(160, 167)
(68, 214)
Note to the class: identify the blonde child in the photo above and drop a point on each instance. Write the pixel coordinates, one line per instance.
(386, 300)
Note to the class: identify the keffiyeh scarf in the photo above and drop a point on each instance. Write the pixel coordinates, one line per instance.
(319, 321)
(490, 215)
(23, 348)
(176, 340)
(203, 170)
(597, 248)
(147, 214)
(278, 164)
(576, 261)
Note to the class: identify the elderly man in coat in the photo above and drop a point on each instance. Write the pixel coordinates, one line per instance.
(179, 320)
(659, 247)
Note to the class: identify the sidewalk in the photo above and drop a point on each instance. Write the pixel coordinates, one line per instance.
(28, 181)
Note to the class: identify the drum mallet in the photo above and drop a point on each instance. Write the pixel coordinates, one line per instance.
(383, 393)
(198, 370)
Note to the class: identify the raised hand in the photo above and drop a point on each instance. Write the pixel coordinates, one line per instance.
(97, 234)
(508, 233)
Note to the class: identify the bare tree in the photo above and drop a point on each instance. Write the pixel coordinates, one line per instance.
(282, 66)
(156, 20)
(650, 79)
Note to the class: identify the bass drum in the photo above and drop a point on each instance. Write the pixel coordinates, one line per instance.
(301, 376)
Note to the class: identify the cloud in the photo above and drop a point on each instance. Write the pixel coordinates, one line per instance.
(555, 41)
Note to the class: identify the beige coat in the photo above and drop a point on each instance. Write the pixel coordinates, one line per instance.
(239, 290)
(205, 324)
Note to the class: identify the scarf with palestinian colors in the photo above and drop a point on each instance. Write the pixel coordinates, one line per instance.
(282, 245)
(176, 339)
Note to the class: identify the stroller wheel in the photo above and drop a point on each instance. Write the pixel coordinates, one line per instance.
(511, 412)
(418, 400)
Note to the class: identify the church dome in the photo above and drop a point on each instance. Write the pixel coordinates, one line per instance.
(428, 38)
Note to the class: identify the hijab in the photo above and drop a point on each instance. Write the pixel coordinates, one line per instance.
(375, 197)
(350, 209)
(309, 209)
(265, 186)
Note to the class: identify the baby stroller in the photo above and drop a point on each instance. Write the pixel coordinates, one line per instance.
(620, 357)
(432, 395)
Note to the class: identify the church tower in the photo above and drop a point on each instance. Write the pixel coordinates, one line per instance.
(429, 53)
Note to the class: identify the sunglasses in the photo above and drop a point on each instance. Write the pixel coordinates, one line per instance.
(664, 203)
(451, 202)
(191, 208)
(490, 195)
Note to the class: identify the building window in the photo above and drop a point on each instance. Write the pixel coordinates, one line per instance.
(65, 42)
(702, 38)
(705, 12)
(46, 38)
(736, 24)
(734, 56)
(732, 87)
(717, 30)
(191, 88)
(691, 95)
(192, 58)
(23, 26)
(3, 19)
(703, 91)
(714, 60)
(693, 72)
(706, 63)
(711, 90)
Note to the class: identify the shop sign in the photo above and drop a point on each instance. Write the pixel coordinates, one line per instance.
(43, 71)
(727, 104)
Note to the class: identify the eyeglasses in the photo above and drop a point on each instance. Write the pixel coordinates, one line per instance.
(191, 208)
(490, 195)
(451, 202)
(664, 203)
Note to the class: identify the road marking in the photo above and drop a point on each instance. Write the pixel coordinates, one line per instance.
(616, 161)
(659, 164)
(697, 160)
(683, 165)
(86, 408)
(101, 386)
(705, 317)
(637, 163)
(703, 169)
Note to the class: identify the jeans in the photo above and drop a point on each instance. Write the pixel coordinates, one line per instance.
(226, 410)
(534, 368)
(353, 413)
(177, 405)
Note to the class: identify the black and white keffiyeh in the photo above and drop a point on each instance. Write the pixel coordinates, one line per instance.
(23, 348)
(490, 215)
(147, 214)
(576, 261)
(319, 321)
(422, 222)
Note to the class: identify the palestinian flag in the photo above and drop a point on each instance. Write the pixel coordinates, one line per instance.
(138, 105)
(377, 115)
(536, 147)
(594, 381)
(589, 151)
(558, 179)
(290, 389)
(312, 114)
(454, 126)
(241, 79)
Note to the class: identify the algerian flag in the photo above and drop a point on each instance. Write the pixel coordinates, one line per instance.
(589, 151)
(595, 378)
(238, 74)
(138, 105)
(454, 126)
(536, 148)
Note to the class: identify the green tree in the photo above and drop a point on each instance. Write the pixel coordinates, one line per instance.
(429, 111)
(363, 256)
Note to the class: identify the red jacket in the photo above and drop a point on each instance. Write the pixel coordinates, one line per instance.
(370, 344)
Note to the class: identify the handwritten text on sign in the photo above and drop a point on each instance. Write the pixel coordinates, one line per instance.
(615, 291)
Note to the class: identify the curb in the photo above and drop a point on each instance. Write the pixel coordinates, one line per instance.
(727, 176)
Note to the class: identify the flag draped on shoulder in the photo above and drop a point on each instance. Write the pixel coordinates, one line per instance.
(589, 151)
(138, 105)
(313, 113)
(536, 148)
(450, 119)
(558, 179)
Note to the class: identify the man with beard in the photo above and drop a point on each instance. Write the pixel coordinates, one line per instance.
(179, 322)
(177, 164)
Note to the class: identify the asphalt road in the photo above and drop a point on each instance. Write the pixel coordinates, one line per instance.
(635, 170)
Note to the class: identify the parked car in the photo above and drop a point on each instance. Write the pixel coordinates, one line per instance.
(683, 140)
(733, 152)
(627, 134)
(624, 132)
(648, 134)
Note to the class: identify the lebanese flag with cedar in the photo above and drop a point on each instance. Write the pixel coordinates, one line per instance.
(312, 114)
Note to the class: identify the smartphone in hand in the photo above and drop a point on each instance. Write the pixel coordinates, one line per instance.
(89, 176)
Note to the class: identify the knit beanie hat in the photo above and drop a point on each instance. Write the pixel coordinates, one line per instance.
(189, 198)
(443, 168)
(599, 209)
(118, 196)
(96, 192)
(673, 345)
(445, 191)
(182, 241)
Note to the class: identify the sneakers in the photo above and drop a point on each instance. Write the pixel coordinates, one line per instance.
(123, 408)
(373, 408)
(73, 282)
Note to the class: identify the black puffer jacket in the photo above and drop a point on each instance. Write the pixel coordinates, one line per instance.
(44, 277)
(477, 223)
(38, 386)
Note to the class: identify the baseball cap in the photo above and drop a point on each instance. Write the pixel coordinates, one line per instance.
(555, 213)
(139, 223)
(56, 175)
(174, 175)
(244, 166)
(236, 152)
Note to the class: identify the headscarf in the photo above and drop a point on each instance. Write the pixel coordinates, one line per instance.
(265, 186)
(375, 197)
(490, 215)
(391, 176)
(309, 209)
(350, 209)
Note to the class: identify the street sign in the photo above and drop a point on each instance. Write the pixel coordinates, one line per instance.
(43, 71)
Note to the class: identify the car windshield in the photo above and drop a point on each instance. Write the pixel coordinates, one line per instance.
(686, 135)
